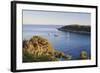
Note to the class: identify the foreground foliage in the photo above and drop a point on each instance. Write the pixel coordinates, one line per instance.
(39, 49)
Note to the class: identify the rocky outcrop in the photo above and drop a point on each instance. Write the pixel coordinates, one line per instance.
(39, 49)
(83, 55)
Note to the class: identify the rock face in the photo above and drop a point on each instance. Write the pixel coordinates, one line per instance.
(39, 49)
(83, 55)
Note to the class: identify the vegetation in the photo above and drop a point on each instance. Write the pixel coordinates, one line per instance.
(76, 27)
(39, 49)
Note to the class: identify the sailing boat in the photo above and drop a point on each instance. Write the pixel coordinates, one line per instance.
(56, 35)
(68, 35)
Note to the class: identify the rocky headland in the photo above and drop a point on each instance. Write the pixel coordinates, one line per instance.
(39, 49)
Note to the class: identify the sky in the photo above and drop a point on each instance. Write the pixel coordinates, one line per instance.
(57, 18)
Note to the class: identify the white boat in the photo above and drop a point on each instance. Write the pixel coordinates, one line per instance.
(56, 35)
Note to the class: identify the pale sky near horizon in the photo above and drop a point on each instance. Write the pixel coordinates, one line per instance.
(57, 18)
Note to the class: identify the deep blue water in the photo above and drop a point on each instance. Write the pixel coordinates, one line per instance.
(71, 43)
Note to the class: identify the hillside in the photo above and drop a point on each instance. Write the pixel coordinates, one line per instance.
(76, 28)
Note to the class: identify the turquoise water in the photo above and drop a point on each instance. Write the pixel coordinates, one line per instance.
(71, 43)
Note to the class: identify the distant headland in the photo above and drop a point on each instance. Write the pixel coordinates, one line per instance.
(76, 28)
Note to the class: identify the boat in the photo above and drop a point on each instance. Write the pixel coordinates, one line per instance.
(56, 35)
